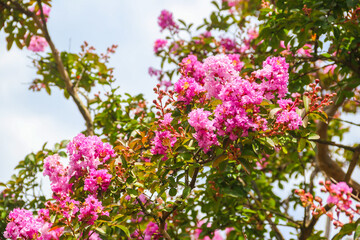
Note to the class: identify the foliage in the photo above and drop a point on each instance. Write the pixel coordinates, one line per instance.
(246, 106)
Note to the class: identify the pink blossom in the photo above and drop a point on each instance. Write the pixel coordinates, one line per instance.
(47, 233)
(274, 76)
(22, 225)
(166, 121)
(229, 45)
(204, 128)
(218, 70)
(57, 174)
(191, 67)
(166, 21)
(305, 50)
(159, 45)
(329, 68)
(152, 231)
(91, 210)
(37, 44)
(287, 49)
(87, 153)
(162, 142)
(340, 194)
(154, 72)
(232, 3)
(238, 64)
(97, 179)
(290, 118)
(187, 89)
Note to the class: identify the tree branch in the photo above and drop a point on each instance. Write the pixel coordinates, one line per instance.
(60, 66)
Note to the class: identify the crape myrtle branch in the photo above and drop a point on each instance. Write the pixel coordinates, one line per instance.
(70, 88)
(307, 229)
(324, 161)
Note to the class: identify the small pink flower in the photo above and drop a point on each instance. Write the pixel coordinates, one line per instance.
(37, 44)
(159, 45)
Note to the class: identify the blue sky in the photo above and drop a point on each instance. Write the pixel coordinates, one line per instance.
(29, 119)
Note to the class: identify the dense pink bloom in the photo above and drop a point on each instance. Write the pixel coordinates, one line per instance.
(290, 118)
(37, 44)
(91, 210)
(218, 70)
(274, 76)
(166, 21)
(97, 178)
(241, 93)
(22, 225)
(187, 88)
(191, 67)
(204, 128)
(162, 142)
(166, 121)
(340, 194)
(152, 231)
(87, 153)
(159, 45)
(229, 45)
(57, 174)
(47, 233)
(238, 64)
(305, 50)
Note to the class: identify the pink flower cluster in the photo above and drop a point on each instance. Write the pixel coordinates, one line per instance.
(162, 142)
(87, 153)
(288, 115)
(274, 76)
(204, 128)
(152, 231)
(191, 67)
(97, 178)
(238, 110)
(58, 175)
(188, 89)
(37, 44)
(46, 10)
(339, 196)
(232, 3)
(217, 233)
(159, 45)
(24, 225)
(91, 209)
(166, 21)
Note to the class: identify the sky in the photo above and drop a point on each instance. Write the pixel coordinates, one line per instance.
(29, 119)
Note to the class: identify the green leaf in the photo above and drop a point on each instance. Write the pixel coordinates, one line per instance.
(357, 233)
(186, 192)
(345, 230)
(301, 144)
(313, 136)
(124, 229)
(219, 159)
(172, 192)
(306, 103)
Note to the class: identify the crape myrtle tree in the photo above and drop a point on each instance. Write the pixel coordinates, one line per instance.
(247, 101)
